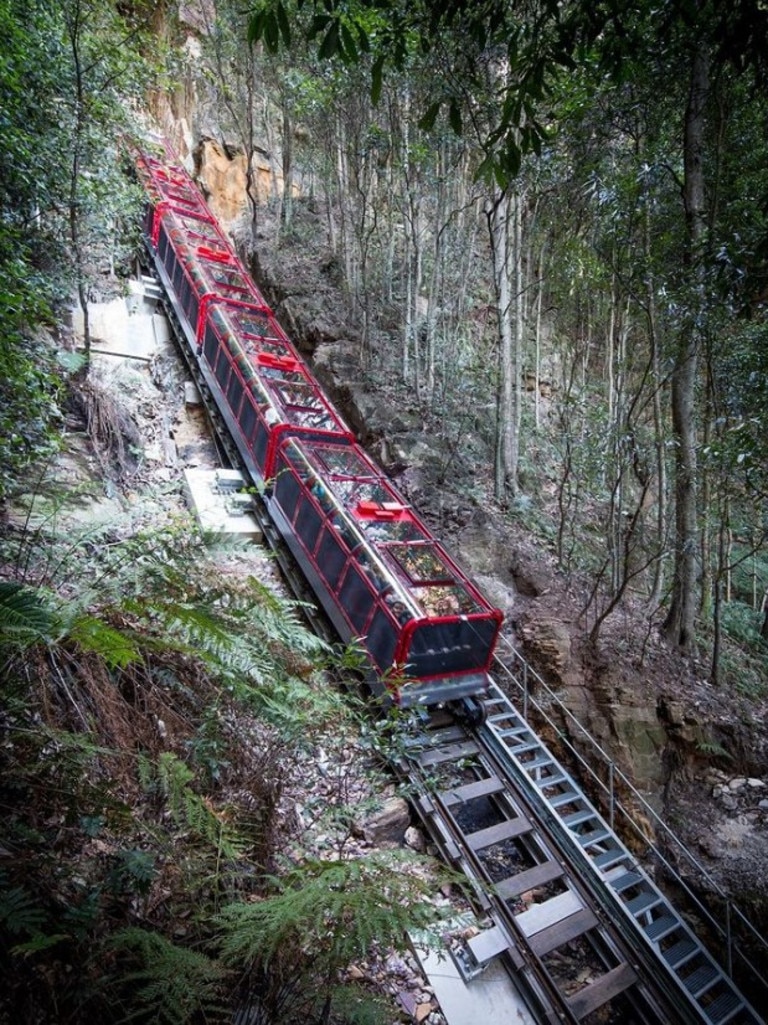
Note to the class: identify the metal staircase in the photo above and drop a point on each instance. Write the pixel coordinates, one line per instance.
(631, 894)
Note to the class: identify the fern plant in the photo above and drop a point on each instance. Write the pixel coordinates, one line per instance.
(142, 668)
(25, 615)
(321, 917)
(189, 809)
(164, 983)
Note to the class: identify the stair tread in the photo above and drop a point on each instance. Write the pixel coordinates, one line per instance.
(661, 927)
(681, 952)
(644, 901)
(724, 1007)
(701, 979)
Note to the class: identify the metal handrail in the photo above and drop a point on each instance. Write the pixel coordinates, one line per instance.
(735, 919)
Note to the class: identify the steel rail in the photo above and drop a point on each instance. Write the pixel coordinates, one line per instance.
(480, 812)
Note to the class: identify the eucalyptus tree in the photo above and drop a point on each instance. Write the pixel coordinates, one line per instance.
(67, 64)
(102, 72)
(478, 58)
(680, 51)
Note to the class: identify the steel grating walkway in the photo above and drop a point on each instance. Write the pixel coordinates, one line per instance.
(613, 873)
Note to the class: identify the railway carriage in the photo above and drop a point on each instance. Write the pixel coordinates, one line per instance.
(380, 575)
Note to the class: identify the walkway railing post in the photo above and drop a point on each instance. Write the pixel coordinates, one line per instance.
(611, 796)
(525, 691)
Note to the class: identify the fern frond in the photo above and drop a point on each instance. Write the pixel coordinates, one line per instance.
(19, 912)
(25, 615)
(190, 810)
(335, 910)
(38, 943)
(172, 984)
(94, 635)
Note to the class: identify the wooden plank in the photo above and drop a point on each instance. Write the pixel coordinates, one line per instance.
(561, 932)
(602, 990)
(487, 944)
(505, 830)
(470, 791)
(529, 879)
(552, 911)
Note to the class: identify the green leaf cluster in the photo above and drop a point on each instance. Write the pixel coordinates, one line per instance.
(173, 984)
(322, 915)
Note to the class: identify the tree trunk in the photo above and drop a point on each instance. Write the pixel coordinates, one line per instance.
(679, 626)
(658, 428)
(74, 29)
(286, 208)
(504, 217)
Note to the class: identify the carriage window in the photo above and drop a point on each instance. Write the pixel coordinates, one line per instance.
(298, 461)
(248, 419)
(201, 229)
(342, 461)
(356, 491)
(445, 600)
(399, 531)
(278, 373)
(304, 407)
(422, 563)
(297, 394)
(235, 393)
(259, 395)
(268, 345)
(252, 323)
(227, 276)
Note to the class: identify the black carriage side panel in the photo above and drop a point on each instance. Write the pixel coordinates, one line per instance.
(163, 247)
(190, 301)
(331, 556)
(222, 369)
(249, 419)
(308, 523)
(287, 491)
(356, 598)
(178, 273)
(381, 640)
(260, 444)
(235, 394)
(211, 343)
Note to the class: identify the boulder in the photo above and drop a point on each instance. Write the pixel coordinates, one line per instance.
(387, 824)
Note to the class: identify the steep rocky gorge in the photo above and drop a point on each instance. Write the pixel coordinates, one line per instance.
(699, 755)
(678, 739)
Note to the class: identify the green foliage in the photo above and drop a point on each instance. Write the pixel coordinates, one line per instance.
(324, 914)
(164, 982)
(134, 872)
(354, 1006)
(25, 615)
(20, 914)
(742, 623)
(65, 77)
(116, 647)
(188, 808)
(713, 749)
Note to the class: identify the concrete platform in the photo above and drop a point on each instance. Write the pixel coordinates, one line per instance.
(491, 998)
(220, 504)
